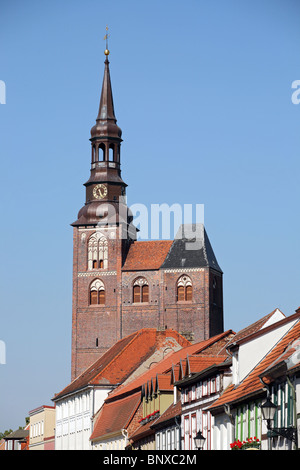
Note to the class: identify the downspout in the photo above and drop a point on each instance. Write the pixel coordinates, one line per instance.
(92, 415)
(231, 418)
(178, 426)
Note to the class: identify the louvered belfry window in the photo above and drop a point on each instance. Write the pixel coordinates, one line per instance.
(184, 289)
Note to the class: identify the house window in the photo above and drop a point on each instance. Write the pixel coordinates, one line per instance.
(184, 289)
(140, 290)
(97, 252)
(97, 293)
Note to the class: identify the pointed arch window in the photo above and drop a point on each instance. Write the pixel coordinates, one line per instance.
(97, 293)
(184, 289)
(140, 290)
(97, 252)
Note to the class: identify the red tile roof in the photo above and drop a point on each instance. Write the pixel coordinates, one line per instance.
(195, 364)
(123, 358)
(114, 417)
(145, 255)
(166, 365)
(252, 385)
(112, 403)
(164, 382)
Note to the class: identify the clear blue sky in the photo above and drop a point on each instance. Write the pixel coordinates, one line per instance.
(202, 92)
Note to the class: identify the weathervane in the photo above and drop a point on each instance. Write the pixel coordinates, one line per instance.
(106, 52)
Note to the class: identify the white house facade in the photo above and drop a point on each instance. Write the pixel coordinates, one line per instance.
(74, 417)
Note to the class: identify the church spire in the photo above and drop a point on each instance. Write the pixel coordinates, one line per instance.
(106, 122)
(105, 184)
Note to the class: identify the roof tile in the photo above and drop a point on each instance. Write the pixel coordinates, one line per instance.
(145, 255)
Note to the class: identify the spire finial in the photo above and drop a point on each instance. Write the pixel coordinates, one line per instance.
(106, 52)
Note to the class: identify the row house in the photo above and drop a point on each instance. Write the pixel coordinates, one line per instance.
(78, 403)
(156, 397)
(16, 440)
(42, 428)
(146, 398)
(221, 394)
(237, 413)
(201, 381)
(154, 390)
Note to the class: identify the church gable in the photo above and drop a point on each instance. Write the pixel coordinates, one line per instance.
(191, 249)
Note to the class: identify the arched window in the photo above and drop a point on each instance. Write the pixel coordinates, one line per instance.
(97, 252)
(101, 153)
(140, 290)
(97, 293)
(184, 289)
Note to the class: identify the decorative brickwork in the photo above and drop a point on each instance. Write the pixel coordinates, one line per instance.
(109, 300)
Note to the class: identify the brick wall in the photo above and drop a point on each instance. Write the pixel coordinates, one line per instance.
(95, 328)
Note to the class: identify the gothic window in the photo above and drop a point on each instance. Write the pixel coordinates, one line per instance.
(184, 289)
(97, 252)
(140, 290)
(97, 293)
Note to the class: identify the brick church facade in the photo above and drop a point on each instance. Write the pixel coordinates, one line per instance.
(120, 284)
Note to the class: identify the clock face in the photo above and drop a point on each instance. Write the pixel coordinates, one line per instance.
(100, 191)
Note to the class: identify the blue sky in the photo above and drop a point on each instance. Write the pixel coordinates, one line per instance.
(202, 93)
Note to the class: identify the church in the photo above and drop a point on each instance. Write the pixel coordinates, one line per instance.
(121, 284)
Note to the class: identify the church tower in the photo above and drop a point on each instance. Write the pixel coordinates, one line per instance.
(122, 285)
(102, 235)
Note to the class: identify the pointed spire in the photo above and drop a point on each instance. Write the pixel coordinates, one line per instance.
(106, 120)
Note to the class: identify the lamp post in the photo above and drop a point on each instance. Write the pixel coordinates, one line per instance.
(199, 440)
(268, 410)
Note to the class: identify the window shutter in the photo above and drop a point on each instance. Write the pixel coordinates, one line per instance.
(180, 293)
(136, 294)
(101, 297)
(93, 297)
(145, 293)
(189, 293)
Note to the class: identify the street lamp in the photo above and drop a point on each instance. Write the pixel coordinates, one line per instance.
(199, 440)
(268, 410)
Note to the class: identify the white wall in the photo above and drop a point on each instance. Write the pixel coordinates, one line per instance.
(252, 352)
(74, 418)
